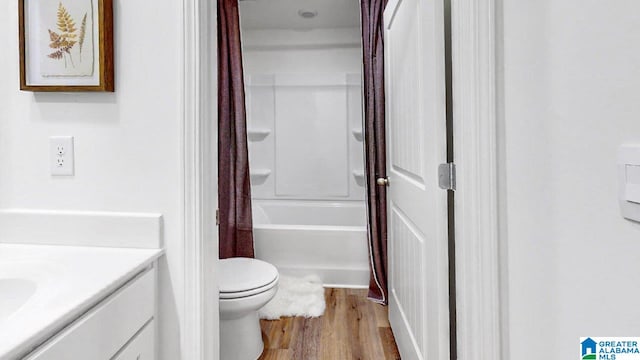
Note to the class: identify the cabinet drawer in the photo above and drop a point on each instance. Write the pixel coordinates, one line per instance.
(105, 329)
(141, 347)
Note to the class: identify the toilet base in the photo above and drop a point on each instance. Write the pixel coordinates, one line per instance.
(241, 338)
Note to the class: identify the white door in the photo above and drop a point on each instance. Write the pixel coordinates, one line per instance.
(416, 136)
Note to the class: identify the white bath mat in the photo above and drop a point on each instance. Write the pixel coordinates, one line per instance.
(296, 297)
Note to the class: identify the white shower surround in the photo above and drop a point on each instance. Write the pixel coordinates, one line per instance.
(325, 239)
(305, 136)
(304, 117)
(304, 114)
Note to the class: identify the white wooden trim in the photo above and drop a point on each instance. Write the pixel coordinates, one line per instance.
(476, 154)
(200, 327)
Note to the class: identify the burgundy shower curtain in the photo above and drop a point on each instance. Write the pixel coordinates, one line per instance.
(234, 188)
(375, 147)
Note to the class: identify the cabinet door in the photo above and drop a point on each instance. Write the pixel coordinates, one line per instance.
(107, 327)
(141, 347)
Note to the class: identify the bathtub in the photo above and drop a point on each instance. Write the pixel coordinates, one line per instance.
(326, 239)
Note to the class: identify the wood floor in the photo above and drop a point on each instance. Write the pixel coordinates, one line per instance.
(351, 328)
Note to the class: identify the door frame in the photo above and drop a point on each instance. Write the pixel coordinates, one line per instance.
(200, 333)
(480, 256)
(481, 309)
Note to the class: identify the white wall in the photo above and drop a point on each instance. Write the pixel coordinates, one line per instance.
(302, 51)
(571, 80)
(127, 144)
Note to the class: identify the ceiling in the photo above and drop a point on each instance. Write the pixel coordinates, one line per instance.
(283, 14)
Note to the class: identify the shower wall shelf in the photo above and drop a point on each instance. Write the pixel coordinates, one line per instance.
(357, 133)
(359, 176)
(259, 176)
(258, 134)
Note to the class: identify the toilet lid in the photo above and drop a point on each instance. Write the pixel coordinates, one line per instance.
(243, 274)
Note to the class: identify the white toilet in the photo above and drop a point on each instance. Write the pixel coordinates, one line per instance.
(246, 285)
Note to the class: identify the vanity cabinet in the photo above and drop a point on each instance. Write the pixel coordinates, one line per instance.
(141, 347)
(120, 327)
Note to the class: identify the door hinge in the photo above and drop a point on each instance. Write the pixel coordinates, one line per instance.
(447, 176)
(217, 216)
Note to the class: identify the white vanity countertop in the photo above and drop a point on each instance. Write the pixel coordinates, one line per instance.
(44, 288)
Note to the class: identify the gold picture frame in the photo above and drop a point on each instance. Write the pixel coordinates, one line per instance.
(66, 45)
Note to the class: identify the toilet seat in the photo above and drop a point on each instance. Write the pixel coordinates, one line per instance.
(244, 277)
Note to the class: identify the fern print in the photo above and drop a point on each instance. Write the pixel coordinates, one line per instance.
(66, 25)
(83, 32)
(64, 40)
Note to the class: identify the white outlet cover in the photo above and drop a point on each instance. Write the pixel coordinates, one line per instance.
(61, 155)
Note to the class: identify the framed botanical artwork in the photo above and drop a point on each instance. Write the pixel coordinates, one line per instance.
(66, 45)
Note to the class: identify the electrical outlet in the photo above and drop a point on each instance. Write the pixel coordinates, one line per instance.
(61, 155)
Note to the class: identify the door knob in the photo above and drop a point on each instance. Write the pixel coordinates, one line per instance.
(383, 181)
